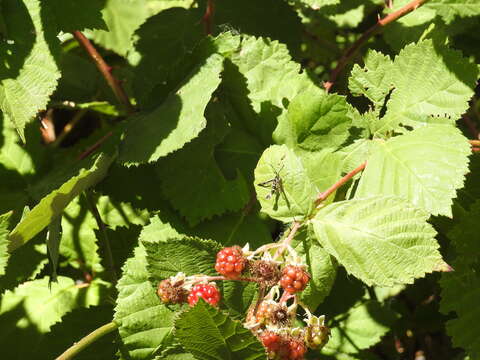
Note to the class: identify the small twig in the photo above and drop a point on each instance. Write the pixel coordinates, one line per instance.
(88, 340)
(475, 143)
(351, 51)
(95, 146)
(66, 130)
(322, 196)
(104, 237)
(105, 70)
(208, 17)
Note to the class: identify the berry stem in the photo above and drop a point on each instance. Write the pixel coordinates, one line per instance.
(379, 25)
(286, 243)
(222, 278)
(322, 196)
(88, 340)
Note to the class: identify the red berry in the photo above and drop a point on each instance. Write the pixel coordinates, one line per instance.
(297, 349)
(271, 341)
(230, 262)
(208, 292)
(294, 279)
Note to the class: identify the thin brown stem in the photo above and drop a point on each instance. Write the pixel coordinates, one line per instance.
(88, 340)
(380, 24)
(322, 196)
(66, 130)
(104, 237)
(105, 70)
(223, 278)
(95, 146)
(475, 143)
(208, 17)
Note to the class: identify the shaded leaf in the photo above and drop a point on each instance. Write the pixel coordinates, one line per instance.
(178, 120)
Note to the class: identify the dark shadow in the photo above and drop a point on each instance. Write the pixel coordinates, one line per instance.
(274, 19)
(163, 50)
(16, 39)
(234, 89)
(14, 334)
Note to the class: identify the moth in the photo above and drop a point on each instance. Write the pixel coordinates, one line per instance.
(274, 184)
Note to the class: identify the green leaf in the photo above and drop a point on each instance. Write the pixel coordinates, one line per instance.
(294, 199)
(191, 177)
(54, 203)
(54, 236)
(44, 303)
(317, 4)
(79, 242)
(4, 254)
(116, 213)
(374, 80)
(461, 287)
(178, 120)
(145, 323)
(360, 328)
(122, 17)
(259, 82)
(188, 255)
(380, 240)
(449, 10)
(25, 263)
(210, 334)
(28, 72)
(156, 61)
(425, 166)
(428, 82)
(321, 267)
(73, 327)
(318, 120)
(73, 15)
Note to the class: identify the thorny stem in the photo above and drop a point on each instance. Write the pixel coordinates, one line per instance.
(322, 196)
(88, 340)
(105, 70)
(381, 23)
(104, 237)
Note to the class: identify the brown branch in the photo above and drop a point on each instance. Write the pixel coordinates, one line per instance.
(105, 70)
(95, 146)
(381, 23)
(69, 127)
(208, 17)
(321, 197)
(475, 143)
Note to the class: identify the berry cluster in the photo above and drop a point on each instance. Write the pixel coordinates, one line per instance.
(271, 317)
(283, 347)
